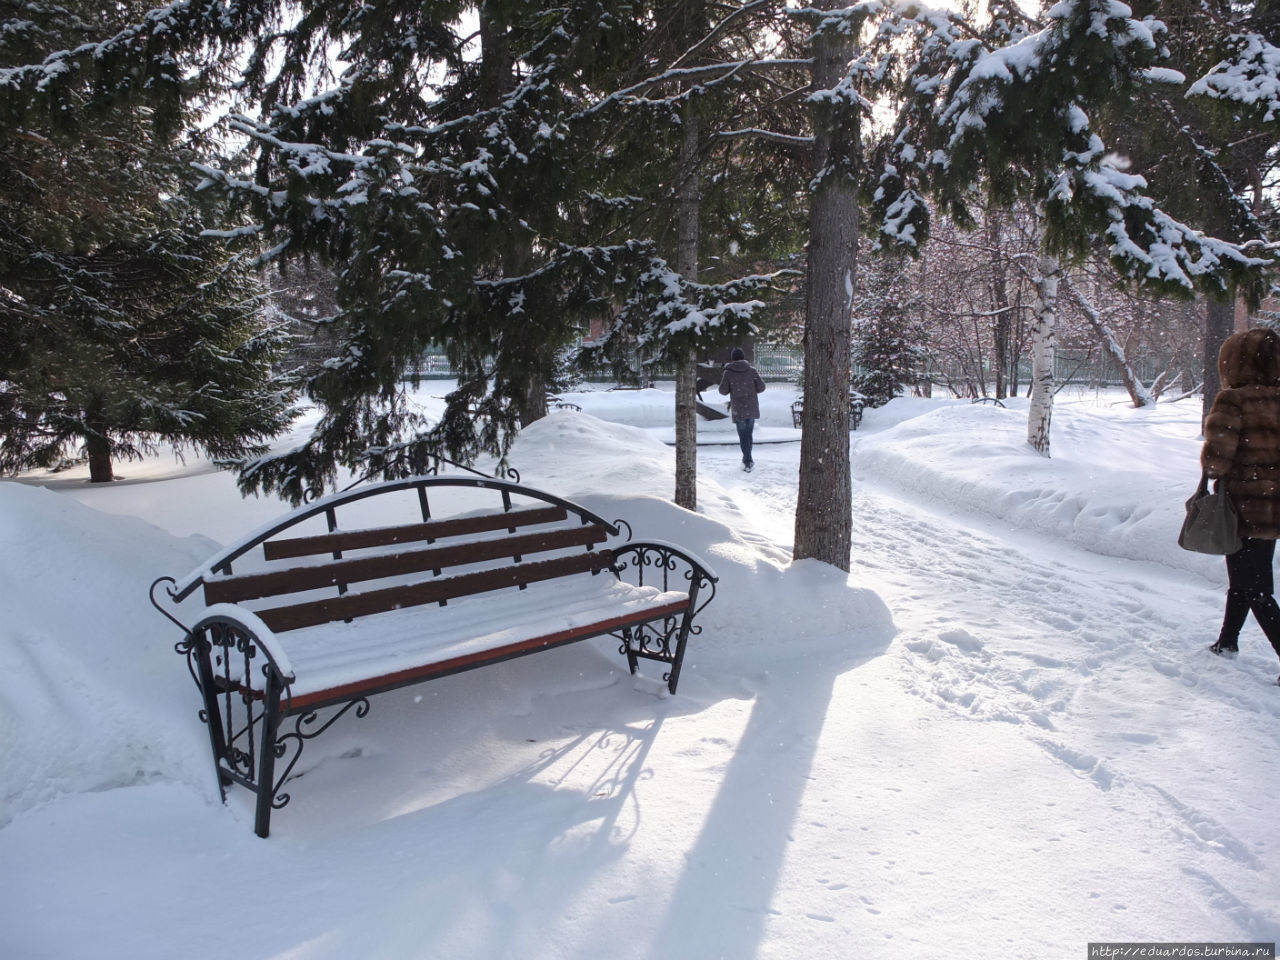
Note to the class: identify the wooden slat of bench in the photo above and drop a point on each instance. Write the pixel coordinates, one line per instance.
(349, 606)
(297, 579)
(408, 533)
(401, 678)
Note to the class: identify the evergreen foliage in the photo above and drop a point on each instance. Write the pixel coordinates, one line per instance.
(888, 337)
(489, 204)
(1017, 109)
(120, 325)
(491, 208)
(1207, 133)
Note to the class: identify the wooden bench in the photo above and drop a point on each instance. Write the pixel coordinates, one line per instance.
(397, 583)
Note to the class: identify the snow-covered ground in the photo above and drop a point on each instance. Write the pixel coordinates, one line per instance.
(999, 736)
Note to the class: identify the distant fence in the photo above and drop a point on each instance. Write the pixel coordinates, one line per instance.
(1096, 368)
(774, 364)
(778, 364)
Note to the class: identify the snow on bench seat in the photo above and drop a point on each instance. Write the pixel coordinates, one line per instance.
(334, 659)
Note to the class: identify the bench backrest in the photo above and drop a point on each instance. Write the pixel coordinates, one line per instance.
(306, 577)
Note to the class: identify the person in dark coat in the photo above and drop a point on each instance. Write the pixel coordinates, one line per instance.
(1242, 450)
(741, 381)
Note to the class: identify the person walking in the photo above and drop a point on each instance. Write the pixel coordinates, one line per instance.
(1242, 450)
(742, 382)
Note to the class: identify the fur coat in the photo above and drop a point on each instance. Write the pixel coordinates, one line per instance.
(1242, 431)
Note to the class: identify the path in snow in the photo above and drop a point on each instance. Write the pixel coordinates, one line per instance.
(1099, 662)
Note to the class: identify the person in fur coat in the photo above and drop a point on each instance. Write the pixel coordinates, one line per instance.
(1242, 450)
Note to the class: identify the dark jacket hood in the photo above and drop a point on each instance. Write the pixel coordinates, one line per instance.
(1249, 359)
(738, 366)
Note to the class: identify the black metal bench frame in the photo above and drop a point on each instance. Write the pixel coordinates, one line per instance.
(856, 405)
(240, 664)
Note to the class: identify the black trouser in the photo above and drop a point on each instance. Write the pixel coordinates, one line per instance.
(1250, 586)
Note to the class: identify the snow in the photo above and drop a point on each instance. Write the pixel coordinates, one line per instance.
(1248, 78)
(333, 656)
(999, 735)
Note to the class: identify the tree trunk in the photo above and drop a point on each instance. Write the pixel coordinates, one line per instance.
(1138, 392)
(999, 302)
(824, 499)
(1220, 319)
(534, 404)
(98, 447)
(689, 202)
(687, 431)
(1043, 336)
(1015, 344)
(497, 79)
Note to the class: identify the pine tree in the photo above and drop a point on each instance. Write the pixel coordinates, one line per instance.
(121, 326)
(1018, 111)
(692, 112)
(888, 338)
(473, 211)
(1212, 135)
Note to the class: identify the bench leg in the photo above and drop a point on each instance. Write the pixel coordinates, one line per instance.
(200, 650)
(673, 678)
(628, 647)
(267, 756)
(682, 638)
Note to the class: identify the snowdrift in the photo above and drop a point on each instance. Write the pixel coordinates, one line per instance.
(1114, 485)
(93, 696)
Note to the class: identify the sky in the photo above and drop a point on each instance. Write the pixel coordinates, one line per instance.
(999, 734)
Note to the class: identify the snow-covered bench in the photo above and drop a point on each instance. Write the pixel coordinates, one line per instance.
(857, 403)
(401, 582)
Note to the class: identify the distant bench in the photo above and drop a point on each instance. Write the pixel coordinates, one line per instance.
(857, 402)
(335, 609)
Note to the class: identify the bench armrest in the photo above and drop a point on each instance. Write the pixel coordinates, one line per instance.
(666, 547)
(662, 564)
(251, 625)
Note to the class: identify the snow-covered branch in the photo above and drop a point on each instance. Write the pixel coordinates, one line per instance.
(715, 71)
(769, 135)
(719, 29)
(1250, 77)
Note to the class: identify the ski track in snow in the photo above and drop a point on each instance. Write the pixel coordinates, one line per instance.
(988, 629)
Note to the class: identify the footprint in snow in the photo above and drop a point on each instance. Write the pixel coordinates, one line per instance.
(962, 639)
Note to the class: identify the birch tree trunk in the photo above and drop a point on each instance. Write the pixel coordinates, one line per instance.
(686, 494)
(1138, 392)
(824, 499)
(1043, 340)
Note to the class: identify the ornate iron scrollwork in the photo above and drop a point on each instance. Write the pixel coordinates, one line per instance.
(650, 640)
(658, 565)
(233, 672)
(151, 594)
(299, 736)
